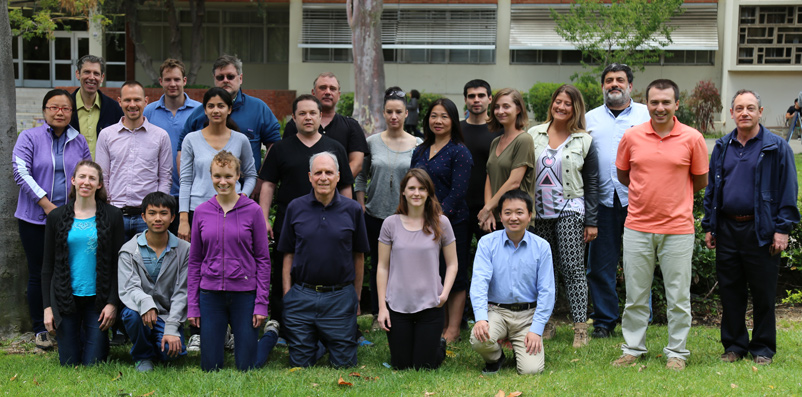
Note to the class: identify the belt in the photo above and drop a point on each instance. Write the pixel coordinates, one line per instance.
(325, 288)
(740, 218)
(131, 211)
(516, 307)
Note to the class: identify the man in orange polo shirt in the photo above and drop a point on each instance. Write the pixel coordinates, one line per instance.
(663, 162)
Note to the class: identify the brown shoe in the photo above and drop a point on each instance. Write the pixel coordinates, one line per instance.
(580, 335)
(731, 357)
(43, 340)
(625, 360)
(762, 360)
(549, 331)
(675, 363)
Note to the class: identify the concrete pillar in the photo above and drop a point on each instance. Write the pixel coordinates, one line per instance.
(503, 33)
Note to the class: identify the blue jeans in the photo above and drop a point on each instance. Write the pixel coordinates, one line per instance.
(219, 309)
(80, 340)
(330, 317)
(147, 342)
(133, 224)
(603, 258)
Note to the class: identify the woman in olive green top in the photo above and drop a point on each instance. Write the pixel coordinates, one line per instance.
(512, 155)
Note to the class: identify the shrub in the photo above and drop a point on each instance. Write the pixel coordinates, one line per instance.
(704, 102)
(539, 98)
(345, 106)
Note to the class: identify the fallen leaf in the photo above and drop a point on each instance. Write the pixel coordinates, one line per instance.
(315, 385)
(659, 355)
(574, 360)
(733, 385)
(427, 394)
(362, 367)
(450, 353)
(718, 373)
(501, 393)
(148, 394)
(642, 367)
(341, 382)
(35, 382)
(293, 369)
(754, 369)
(355, 374)
(119, 375)
(515, 394)
(771, 387)
(13, 378)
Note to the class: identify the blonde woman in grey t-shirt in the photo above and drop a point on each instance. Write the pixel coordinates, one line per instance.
(388, 158)
(411, 294)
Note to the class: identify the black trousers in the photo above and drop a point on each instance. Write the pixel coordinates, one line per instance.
(414, 339)
(374, 227)
(742, 268)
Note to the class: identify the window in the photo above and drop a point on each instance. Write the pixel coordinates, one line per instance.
(770, 35)
(429, 35)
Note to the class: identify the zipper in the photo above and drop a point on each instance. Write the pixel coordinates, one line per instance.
(223, 241)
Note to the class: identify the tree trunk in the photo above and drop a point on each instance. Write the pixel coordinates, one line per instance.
(364, 17)
(135, 29)
(13, 267)
(198, 10)
(175, 31)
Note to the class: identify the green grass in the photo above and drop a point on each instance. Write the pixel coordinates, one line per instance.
(568, 372)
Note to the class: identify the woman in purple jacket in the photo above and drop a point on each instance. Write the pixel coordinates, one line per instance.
(229, 272)
(44, 158)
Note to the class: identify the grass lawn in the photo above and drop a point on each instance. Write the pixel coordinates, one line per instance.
(568, 372)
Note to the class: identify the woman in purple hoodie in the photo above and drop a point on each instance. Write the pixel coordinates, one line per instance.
(44, 158)
(229, 272)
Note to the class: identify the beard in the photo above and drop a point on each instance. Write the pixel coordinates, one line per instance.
(616, 97)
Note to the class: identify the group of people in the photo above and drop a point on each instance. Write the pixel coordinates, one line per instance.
(173, 221)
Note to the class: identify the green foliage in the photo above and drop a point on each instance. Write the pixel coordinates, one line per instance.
(624, 31)
(47, 15)
(538, 98)
(793, 298)
(704, 102)
(345, 106)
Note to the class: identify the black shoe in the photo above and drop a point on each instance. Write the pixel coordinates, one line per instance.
(118, 340)
(492, 368)
(601, 333)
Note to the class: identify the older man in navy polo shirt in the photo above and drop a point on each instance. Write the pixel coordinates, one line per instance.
(324, 241)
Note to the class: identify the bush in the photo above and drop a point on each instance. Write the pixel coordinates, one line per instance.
(345, 106)
(539, 97)
(704, 102)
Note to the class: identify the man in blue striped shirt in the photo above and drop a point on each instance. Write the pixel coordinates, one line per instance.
(512, 291)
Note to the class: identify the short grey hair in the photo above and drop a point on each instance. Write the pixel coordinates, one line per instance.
(331, 155)
(745, 91)
(226, 60)
(326, 74)
(91, 59)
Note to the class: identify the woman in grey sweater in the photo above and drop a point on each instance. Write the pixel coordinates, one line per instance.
(390, 153)
(198, 150)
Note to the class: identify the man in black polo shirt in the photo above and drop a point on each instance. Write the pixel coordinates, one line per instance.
(335, 126)
(324, 240)
(287, 167)
(478, 138)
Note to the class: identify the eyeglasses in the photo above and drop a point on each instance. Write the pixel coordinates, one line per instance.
(396, 94)
(55, 109)
(221, 77)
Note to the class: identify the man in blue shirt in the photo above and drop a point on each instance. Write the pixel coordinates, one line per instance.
(171, 111)
(750, 209)
(252, 115)
(606, 124)
(512, 290)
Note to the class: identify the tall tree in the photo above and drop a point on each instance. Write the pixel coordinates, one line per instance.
(364, 18)
(625, 31)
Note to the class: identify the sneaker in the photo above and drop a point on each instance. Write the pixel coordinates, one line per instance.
(580, 335)
(118, 339)
(272, 326)
(762, 360)
(144, 366)
(229, 344)
(601, 333)
(625, 360)
(43, 341)
(675, 363)
(281, 341)
(492, 368)
(549, 331)
(194, 343)
(364, 342)
(731, 357)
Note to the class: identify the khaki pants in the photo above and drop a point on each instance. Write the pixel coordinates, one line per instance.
(504, 323)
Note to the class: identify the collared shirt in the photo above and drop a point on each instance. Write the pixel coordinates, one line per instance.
(450, 170)
(59, 196)
(607, 130)
(87, 119)
(159, 115)
(323, 239)
(151, 261)
(134, 162)
(738, 175)
(503, 273)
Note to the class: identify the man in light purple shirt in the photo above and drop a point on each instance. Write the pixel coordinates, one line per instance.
(136, 158)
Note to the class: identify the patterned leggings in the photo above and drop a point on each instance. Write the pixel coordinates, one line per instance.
(565, 235)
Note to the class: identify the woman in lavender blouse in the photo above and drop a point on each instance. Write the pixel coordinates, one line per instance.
(411, 295)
